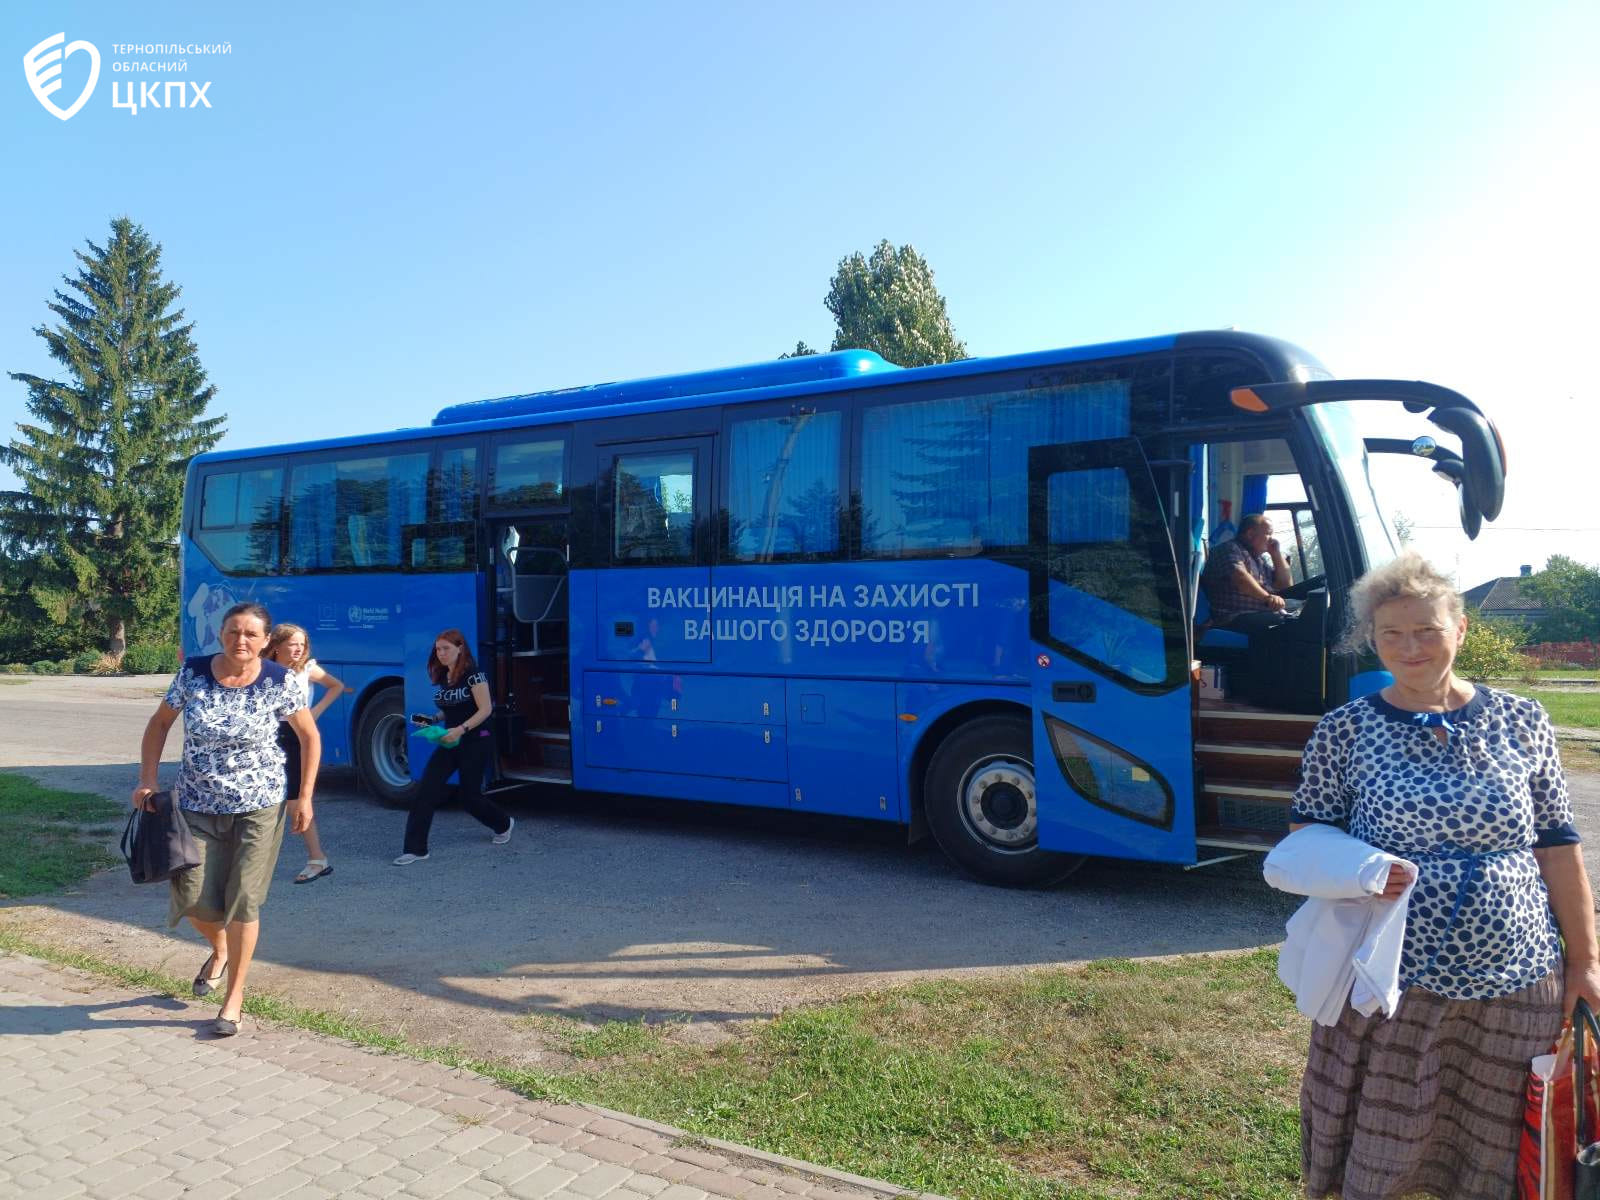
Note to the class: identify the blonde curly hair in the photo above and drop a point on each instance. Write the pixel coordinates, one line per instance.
(1408, 577)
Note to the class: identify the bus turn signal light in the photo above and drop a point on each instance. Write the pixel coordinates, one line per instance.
(1247, 399)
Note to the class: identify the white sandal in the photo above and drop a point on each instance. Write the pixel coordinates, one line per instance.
(315, 868)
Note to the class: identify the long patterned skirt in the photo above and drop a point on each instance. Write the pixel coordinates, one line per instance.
(1425, 1103)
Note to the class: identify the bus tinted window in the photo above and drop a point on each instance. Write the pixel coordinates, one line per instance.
(220, 500)
(239, 514)
(1112, 594)
(783, 486)
(529, 473)
(348, 514)
(449, 541)
(949, 476)
(653, 507)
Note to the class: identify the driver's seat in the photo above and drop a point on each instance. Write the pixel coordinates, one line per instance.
(1207, 638)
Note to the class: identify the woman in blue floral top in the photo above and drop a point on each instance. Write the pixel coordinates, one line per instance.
(1465, 782)
(230, 789)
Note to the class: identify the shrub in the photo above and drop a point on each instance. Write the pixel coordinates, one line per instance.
(46, 667)
(15, 668)
(86, 663)
(150, 658)
(1491, 650)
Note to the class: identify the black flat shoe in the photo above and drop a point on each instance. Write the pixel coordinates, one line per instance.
(222, 1027)
(204, 985)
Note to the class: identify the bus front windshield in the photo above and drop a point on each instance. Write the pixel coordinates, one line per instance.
(1338, 428)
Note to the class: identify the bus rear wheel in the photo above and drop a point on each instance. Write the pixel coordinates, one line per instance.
(979, 800)
(381, 749)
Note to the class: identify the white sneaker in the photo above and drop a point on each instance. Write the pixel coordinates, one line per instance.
(500, 839)
(405, 860)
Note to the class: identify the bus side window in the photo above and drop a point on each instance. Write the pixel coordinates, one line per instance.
(238, 525)
(653, 508)
(348, 514)
(948, 475)
(783, 486)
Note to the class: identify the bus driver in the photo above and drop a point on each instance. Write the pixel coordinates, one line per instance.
(1244, 587)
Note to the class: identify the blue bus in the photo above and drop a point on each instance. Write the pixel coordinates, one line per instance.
(962, 598)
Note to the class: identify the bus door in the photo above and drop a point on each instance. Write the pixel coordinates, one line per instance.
(530, 621)
(1112, 724)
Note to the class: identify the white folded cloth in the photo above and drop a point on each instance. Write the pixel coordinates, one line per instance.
(1344, 942)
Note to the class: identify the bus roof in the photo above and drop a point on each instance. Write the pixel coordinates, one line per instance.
(809, 368)
(820, 374)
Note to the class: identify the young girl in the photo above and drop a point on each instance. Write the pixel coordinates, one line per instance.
(290, 646)
(461, 690)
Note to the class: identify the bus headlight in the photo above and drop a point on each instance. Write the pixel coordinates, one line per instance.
(1105, 776)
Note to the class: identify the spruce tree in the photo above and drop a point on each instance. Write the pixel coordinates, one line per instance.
(92, 530)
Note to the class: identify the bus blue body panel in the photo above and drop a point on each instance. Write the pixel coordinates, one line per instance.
(825, 678)
(355, 623)
(1131, 745)
(369, 630)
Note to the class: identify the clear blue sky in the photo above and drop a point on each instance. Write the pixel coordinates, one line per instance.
(391, 207)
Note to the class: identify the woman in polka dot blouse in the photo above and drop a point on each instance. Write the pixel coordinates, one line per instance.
(1466, 782)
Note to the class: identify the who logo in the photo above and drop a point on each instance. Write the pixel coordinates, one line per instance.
(42, 68)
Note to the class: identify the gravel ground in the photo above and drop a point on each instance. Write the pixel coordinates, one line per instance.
(603, 907)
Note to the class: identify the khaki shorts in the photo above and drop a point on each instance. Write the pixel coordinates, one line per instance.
(238, 853)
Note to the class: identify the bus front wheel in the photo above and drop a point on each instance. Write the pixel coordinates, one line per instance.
(979, 800)
(382, 749)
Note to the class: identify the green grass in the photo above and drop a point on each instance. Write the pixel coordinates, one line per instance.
(51, 839)
(1580, 710)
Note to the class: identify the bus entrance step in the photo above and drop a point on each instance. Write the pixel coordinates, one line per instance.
(1220, 837)
(538, 775)
(1240, 724)
(1249, 760)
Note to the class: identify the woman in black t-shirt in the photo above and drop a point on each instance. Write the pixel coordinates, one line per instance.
(461, 691)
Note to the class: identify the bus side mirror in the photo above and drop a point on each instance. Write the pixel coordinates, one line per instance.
(1480, 451)
(1471, 514)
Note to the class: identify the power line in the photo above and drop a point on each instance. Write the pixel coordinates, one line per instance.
(1488, 528)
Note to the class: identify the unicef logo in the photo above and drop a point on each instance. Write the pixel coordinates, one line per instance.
(42, 68)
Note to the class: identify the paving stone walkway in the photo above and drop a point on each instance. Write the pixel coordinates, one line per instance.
(111, 1093)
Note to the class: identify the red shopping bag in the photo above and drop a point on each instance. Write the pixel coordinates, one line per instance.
(1548, 1157)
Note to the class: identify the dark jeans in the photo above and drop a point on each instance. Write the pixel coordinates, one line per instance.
(469, 757)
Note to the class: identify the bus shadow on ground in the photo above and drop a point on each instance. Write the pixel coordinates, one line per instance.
(622, 908)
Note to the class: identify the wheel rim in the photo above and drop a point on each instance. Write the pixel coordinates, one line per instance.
(391, 762)
(998, 805)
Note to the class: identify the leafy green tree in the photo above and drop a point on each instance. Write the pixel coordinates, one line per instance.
(800, 351)
(1570, 594)
(1491, 649)
(888, 303)
(91, 533)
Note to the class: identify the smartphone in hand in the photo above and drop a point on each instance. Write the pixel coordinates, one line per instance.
(422, 719)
